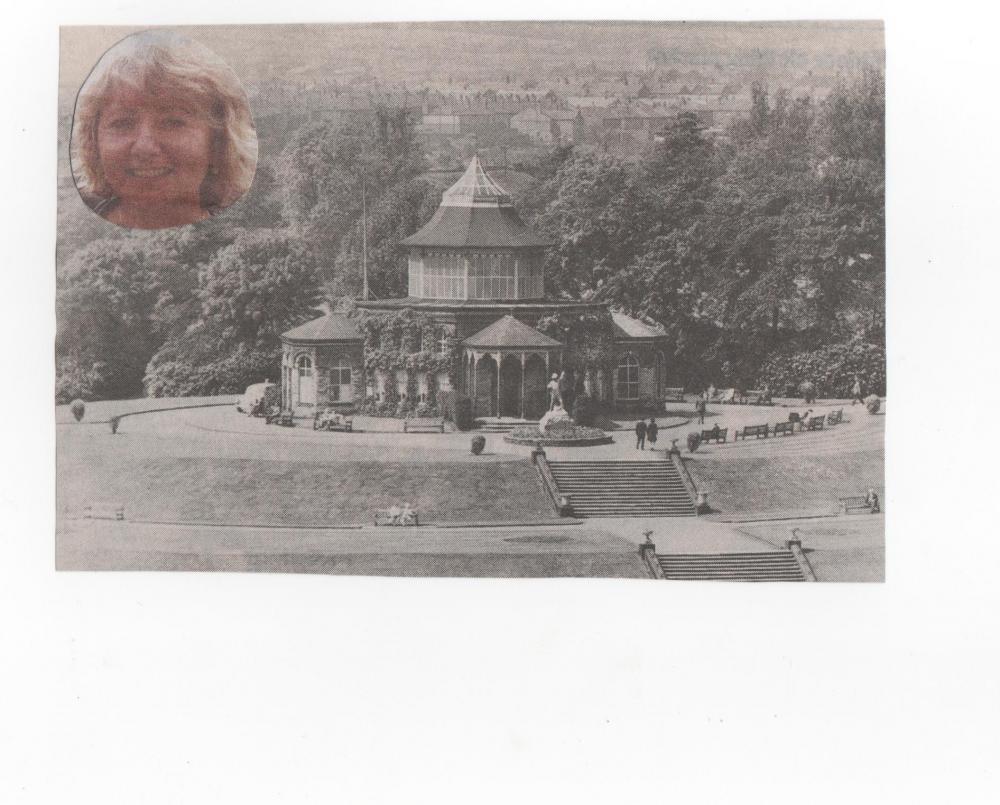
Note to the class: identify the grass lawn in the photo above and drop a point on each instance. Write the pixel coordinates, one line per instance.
(103, 410)
(260, 491)
(767, 483)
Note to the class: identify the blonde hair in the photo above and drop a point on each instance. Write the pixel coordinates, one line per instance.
(158, 63)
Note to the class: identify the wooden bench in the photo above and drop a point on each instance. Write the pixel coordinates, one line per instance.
(816, 422)
(835, 417)
(717, 435)
(673, 395)
(753, 430)
(424, 425)
(855, 503)
(756, 397)
(324, 421)
(784, 428)
(398, 518)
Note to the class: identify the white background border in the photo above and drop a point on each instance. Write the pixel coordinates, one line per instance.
(186, 688)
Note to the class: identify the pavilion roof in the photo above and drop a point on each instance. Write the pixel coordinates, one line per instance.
(476, 211)
(509, 333)
(331, 327)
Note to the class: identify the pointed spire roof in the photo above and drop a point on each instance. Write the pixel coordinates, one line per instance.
(509, 333)
(476, 212)
(476, 188)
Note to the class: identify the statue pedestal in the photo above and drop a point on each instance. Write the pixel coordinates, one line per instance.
(557, 414)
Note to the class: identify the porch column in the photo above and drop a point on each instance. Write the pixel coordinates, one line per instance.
(523, 361)
(499, 362)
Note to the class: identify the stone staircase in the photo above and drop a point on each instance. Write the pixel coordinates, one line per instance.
(767, 566)
(623, 488)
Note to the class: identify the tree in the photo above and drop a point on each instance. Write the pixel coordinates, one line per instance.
(115, 302)
(250, 292)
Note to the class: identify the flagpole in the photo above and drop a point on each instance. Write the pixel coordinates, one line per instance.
(364, 237)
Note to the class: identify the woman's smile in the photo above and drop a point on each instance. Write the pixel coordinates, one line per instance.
(155, 154)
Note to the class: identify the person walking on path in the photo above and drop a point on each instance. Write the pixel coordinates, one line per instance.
(640, 435)
(700, 408)
(651, 430)
(856, 391)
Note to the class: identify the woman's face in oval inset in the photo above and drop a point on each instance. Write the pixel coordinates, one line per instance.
(155, 152)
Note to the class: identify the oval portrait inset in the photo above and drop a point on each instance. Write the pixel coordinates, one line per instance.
(162, 133)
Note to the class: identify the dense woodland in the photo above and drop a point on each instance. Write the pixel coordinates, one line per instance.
(761, 251)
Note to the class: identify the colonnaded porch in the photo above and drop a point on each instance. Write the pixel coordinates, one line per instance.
(509, 383)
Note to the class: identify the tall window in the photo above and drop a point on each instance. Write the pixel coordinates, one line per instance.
(444, 275)
(491, 276)
(340, 381)
(627, 385)
(442, 342)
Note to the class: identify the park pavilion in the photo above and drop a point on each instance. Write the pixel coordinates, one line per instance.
(475, 273)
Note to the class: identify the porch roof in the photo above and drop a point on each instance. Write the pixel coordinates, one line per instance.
(509, 333)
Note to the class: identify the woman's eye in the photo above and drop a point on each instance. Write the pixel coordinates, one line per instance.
(174, 122)
(121, 123)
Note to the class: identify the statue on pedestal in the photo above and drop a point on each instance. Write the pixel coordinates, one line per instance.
(554, 396)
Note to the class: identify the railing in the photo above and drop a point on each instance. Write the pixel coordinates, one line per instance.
(647, 550)
(561, 504)
(795, 546)
(686, 479)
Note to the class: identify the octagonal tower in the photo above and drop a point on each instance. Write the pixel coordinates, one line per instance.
(476, 247)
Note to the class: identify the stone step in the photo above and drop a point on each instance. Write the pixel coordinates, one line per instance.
(778, 566)
(609, 488)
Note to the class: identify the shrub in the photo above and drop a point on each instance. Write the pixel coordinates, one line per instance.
(808, 391)
(426, 409)
(478, 443)
(446, 403)
(463, 413)
(873, 403)
(77, 408)
(585, 410)
(832, 369)
(693, 441)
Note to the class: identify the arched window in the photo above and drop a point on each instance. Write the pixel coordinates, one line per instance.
(442, 342)
(340, 381)
(627, 378)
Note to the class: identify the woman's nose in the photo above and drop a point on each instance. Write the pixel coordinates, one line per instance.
(146, 142)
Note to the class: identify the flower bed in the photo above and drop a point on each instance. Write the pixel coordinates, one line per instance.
(561, 434)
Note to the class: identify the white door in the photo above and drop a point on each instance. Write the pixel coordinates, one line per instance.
(306, 381)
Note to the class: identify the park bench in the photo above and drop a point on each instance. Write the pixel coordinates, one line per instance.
(673, 394)
(395, 516)
(816, 422)
(717, 435)
(756, 397)
(784, 428)
(753, 430)
(855, 503)
(424, 425)
(835, 417)
(333, 421)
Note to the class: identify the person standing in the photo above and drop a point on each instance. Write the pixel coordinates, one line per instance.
(652, 429)
(640, 435)
(856, 391)
(700, 407)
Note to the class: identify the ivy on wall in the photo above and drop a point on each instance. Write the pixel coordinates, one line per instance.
(406, 340)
